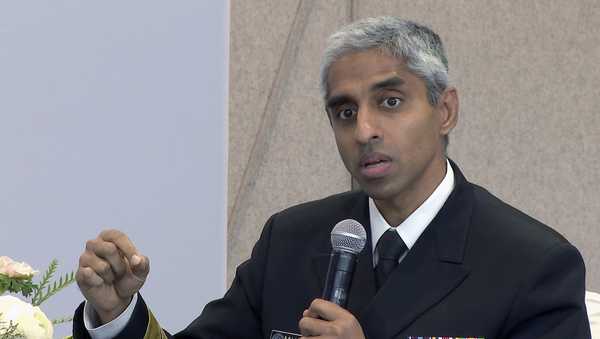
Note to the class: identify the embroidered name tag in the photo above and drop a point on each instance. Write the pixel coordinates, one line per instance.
(284, 335)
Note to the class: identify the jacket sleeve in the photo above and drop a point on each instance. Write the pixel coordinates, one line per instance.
(142, 323)
(236, 315)
(550, 303)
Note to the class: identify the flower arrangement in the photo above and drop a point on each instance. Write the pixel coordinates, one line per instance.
(21, 319)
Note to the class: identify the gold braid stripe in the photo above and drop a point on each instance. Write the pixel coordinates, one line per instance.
(154, 331)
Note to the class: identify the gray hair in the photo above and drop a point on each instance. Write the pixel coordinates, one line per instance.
(419, 46)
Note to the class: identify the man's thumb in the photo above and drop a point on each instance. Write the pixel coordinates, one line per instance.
(140, 266)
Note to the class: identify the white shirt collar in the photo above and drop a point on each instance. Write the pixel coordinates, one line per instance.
(411, 229)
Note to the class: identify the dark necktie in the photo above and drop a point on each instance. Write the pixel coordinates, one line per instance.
(389, 247)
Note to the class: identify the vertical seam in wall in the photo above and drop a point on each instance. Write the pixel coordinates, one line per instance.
(262, 122)
(270, 112)
(226, 133)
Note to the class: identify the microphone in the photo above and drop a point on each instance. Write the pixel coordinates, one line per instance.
(348, 238)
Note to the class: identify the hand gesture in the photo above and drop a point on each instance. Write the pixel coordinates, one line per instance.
(324, 319)
(110, 272)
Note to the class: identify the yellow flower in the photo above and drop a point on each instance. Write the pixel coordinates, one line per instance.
(31, 322)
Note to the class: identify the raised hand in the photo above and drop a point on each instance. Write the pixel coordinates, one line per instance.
(111, 271)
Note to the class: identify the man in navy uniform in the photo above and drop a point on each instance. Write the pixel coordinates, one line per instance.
(444, 257)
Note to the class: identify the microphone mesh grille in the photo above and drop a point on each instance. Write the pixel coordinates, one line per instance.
(348, 235)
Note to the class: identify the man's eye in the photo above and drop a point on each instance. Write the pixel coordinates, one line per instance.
(391, 102)
(346, 113)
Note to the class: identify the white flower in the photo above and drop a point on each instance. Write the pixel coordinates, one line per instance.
(31, 321)
(14, 269)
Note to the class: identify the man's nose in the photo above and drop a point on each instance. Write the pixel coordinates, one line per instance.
(367, 126)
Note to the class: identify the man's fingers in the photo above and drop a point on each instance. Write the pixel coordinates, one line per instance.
(114, 258)
(324, 319)
(100, 266)
(320, 308)
(87, 278)
(316, 319)
(120, 240)
(312, 326)
(140, 266)
(310, 314)
(109, 252)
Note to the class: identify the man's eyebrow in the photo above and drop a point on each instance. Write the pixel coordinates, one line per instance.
(391, 82)
(388, 83)
(336, 100)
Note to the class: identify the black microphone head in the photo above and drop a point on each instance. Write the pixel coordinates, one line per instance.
(349, 236)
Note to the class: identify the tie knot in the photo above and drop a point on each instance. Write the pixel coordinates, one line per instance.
(390, 246)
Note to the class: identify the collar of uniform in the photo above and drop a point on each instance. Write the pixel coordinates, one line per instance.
(411, 228)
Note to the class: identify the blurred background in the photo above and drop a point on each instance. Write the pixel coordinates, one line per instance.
(529, 127)
(113, 114)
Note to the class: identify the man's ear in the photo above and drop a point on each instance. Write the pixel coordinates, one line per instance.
(448, 109)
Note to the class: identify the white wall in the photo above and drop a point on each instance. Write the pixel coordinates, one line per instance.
(113, 114)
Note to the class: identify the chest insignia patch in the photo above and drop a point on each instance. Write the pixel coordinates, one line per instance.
(275, 334)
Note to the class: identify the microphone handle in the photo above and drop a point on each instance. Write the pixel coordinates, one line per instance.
(339, 277)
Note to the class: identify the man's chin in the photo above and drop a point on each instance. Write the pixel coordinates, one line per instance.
(377, 191)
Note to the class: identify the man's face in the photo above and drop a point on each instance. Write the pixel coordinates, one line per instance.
(388, 134)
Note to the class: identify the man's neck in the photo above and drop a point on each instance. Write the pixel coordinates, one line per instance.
(396, 210)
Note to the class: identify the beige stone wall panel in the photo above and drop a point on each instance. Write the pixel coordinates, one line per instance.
(292, 157)
(529, 83)
(259, 30)
(529, 130)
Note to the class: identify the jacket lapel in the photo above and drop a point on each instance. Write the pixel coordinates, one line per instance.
(428, 273)
(362, 290)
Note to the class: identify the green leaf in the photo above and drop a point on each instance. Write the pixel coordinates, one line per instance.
(23, 286)
(62, 320)
(48, 274)
(51, 290)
